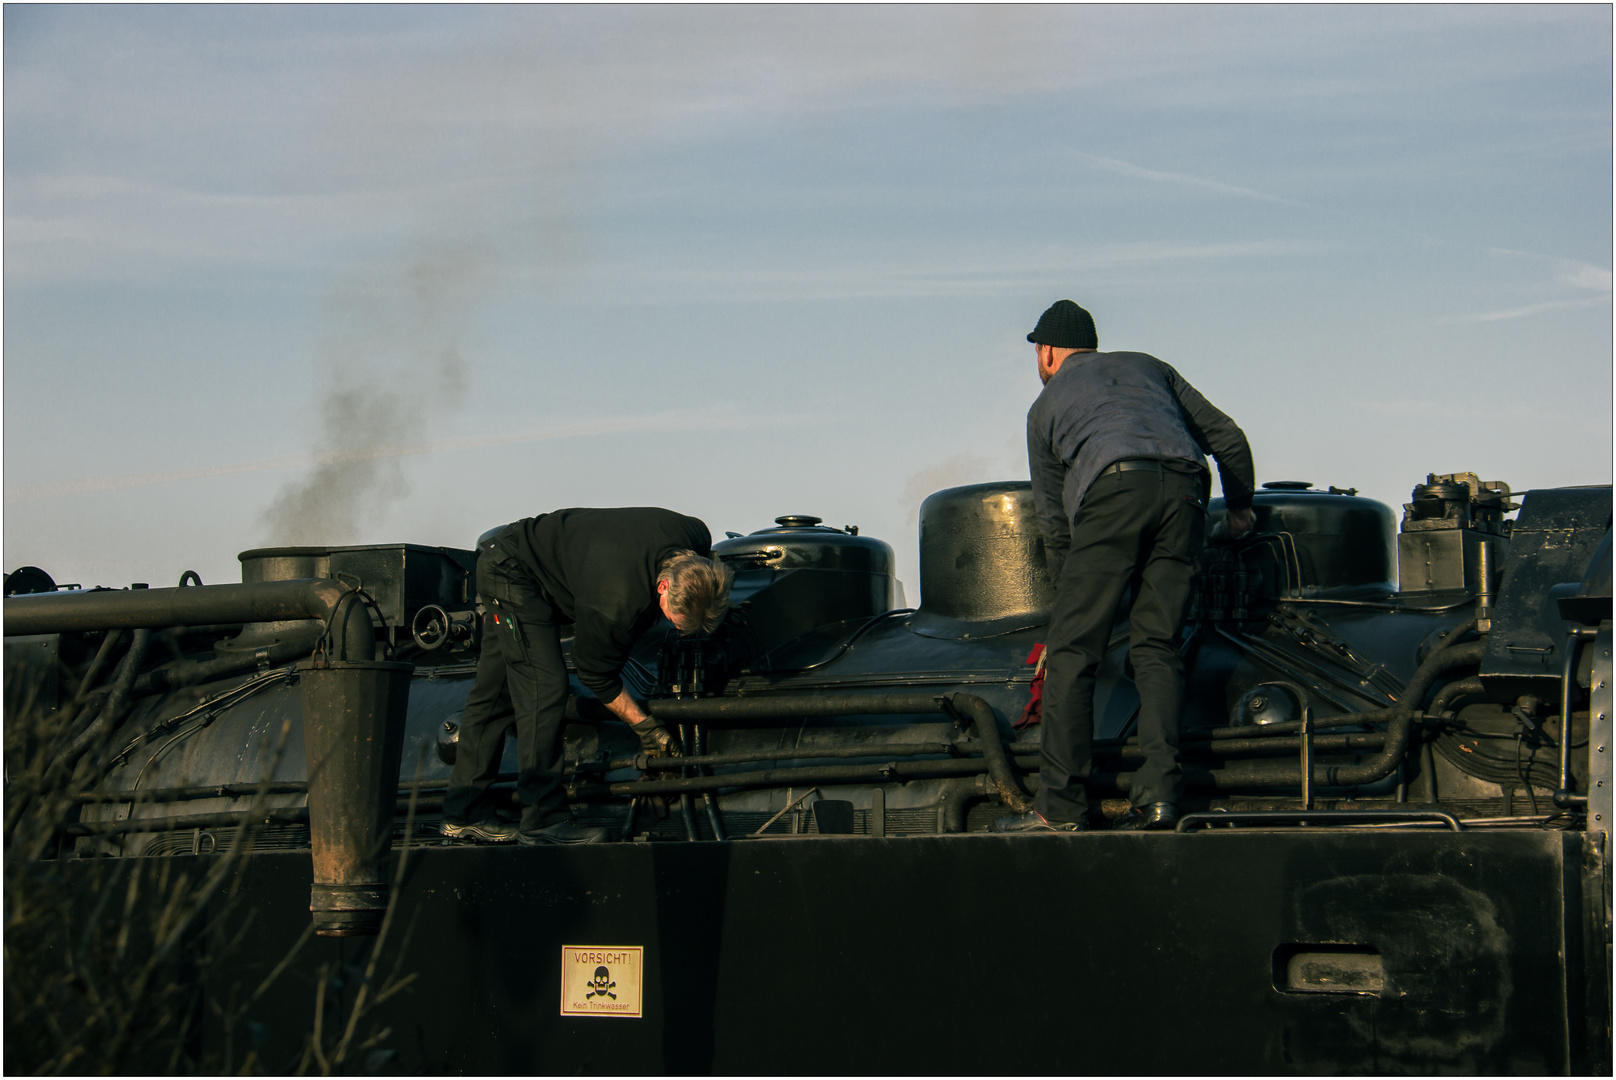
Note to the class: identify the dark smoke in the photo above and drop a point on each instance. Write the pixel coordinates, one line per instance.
(391, 363)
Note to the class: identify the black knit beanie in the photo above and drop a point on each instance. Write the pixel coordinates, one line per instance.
(1065, 326)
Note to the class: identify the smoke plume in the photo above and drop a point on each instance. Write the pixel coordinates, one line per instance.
(392, 360)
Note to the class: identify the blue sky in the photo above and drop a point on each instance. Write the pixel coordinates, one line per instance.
(374, 274)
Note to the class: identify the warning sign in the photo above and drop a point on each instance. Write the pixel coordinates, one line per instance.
(601, 980)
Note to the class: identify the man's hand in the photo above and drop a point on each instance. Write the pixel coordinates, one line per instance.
(626, 709)
(1239, 523)
(655, 739)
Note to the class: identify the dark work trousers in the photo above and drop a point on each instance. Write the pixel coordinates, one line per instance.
(521, 678)
(1140, 530)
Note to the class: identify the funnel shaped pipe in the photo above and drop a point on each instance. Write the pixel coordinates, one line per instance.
(353, 730)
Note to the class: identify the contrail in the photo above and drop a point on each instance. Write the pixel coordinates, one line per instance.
(654, 422)
(1128, 168)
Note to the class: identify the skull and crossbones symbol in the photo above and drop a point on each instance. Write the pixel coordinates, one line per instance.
(603, 985)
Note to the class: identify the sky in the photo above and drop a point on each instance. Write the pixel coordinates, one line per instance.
(368, 274)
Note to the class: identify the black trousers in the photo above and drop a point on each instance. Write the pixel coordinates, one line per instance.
(521, 680)
(1140, 530)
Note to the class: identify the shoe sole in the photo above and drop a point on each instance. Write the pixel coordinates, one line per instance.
(1040, 827)
(476, 833)
(545, 841)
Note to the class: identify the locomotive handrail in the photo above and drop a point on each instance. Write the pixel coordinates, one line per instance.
(978, 711)
(1191, 822)
(1565, 798)
(891, 769)
(645, 762)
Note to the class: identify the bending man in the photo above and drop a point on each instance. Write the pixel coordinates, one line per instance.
(611, 574)
(1115, 444)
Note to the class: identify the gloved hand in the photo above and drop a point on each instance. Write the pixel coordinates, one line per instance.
(656, 740)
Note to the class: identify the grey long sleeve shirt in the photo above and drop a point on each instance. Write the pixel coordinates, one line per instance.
(1105, 407)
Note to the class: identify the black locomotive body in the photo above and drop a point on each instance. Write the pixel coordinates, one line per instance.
(1394, 855)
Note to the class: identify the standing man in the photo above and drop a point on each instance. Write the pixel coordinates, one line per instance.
(1115, 445)
(611, 574)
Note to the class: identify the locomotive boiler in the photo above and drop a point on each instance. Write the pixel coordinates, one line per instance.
(1394, 849)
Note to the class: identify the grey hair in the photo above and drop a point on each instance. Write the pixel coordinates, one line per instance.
(697, 587)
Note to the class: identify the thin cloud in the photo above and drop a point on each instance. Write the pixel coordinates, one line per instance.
(1571, 274)
(662, 422)
(1125, 168)
(945, 274)
(1528, 310)
(1583, 276)
(1579, 275)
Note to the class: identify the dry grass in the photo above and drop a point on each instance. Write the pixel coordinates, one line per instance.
(106, 959)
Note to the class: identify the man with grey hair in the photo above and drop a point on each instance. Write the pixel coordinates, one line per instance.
(1115, 445)
(611, 574)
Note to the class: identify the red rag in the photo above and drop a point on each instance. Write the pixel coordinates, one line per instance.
(1033, 712)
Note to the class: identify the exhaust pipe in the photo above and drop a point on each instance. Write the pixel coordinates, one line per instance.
(353, 717)
(203, 605)
(353, 733)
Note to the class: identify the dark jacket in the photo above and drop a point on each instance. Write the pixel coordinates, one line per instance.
(1105, 407)
(599, 568)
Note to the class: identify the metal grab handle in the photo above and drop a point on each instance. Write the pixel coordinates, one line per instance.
(1307, 757)
(1322, 817)
(1565, 798)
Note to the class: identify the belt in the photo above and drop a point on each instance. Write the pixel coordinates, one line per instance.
(1186, 469)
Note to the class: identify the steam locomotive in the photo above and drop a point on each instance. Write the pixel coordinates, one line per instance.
(1393, 855)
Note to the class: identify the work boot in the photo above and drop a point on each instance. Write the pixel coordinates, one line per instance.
(487, 831)
(566, 831)
(1034, 822)
(1153, 816)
